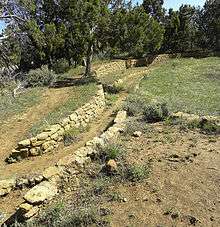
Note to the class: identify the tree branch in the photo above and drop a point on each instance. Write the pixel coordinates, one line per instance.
(12, 17)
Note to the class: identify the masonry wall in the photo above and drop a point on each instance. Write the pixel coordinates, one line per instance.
(51, 137)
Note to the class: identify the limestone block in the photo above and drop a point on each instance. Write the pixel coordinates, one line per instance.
(66, 160)
(6, 186)
(81, 152)
(55, 136)
(49, 149)
(24, 143)
(121, 117)
(42, 136)
(61, 132)
(36, 151)
(51, 172)
(65, 121)
(67, 127)
(72, 124)
(53, 128)
(31, 212)
(25, 207)
(37, 143)
(74, 117)
(48, 144)
(41, 192)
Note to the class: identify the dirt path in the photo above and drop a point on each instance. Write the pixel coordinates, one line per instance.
(181, 188)
(36, 165)
(16, 127)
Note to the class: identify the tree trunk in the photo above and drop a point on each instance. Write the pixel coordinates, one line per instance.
(89, 56)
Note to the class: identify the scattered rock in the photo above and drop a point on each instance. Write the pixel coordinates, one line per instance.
(174, 215)
(6, 186)
(125, 200)
(31, 213)
(111, 166)
(26, 207)
(191, 219)
(40, 193)
(145, 199)
(137, 134)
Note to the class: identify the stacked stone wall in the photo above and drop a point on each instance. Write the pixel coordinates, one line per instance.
(51, 137)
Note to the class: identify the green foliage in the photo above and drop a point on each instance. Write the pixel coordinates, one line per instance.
(135, 104)
(78, 96)
(134, 125)
(53, 215)
(115, 196)
(61, 66)
(186, 85)
(40, 77)
(137, 172)
(136, 33)
(156, 112)
(111, 151)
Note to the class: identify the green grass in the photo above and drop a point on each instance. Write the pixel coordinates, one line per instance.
(79, 96)
(188, 85)
(10, 106)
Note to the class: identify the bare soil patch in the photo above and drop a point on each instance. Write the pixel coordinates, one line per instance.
(182, 188)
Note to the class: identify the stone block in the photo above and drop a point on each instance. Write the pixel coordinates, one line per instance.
(24, 143)
(65, 121)
(41, 192)
(121, 117)
(42, 136)
(66, 160)
(51, 172)
(7, 185)
(55, 136)
(36, 151)
(74, 117)
(48, 144)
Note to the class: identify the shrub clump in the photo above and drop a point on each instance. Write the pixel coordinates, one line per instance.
(61, 66)
(110, 151)
(40, 77)
(137, 172)
(156, 112)
(135, 105)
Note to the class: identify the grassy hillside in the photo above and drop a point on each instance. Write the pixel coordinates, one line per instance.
(188, 85)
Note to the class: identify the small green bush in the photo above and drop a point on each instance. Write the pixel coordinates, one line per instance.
(205, 126)
(40, 77)
(156, 112)
(115, 196)
(135, 104)
(110, 151)
(137, 172)
(61, 66)
(134, 125)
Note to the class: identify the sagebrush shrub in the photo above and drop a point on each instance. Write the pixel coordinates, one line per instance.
(40, 77)
(135, 104)
(156, 112)
(137, 172)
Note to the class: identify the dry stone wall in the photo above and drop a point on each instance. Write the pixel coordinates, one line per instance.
(71, 164)
(110, 67)
(150, 60)
(51, 137)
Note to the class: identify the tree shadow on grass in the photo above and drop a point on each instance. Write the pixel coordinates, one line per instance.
(71, 82)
